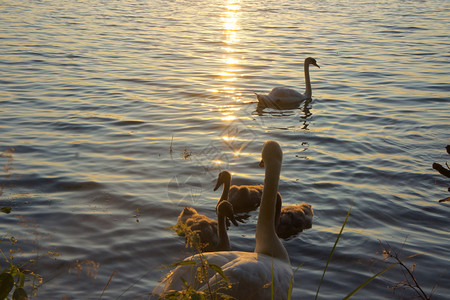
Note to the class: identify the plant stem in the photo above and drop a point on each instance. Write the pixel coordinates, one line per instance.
(332, 251)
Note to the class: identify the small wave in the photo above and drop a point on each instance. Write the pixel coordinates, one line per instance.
(53, 185)
(78, 186)
(65, 126)
(128, 123)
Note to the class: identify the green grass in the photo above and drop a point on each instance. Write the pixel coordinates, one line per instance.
(332, 251)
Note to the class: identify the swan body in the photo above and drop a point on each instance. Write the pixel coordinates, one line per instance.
(212, 234)
(250, 273)
(286, 98)
(294, 219)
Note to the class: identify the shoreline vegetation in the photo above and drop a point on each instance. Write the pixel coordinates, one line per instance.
(445, 171)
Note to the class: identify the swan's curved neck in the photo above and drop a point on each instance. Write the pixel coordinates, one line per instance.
(267, 241)
(308, 91)
(225, 191)
(224, 241)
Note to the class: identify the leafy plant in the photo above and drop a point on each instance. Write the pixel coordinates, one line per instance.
(202, 272)
(14, 275)
(5, 209)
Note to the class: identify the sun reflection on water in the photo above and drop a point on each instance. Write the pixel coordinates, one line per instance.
(235, 135)
(230, 25)
(230, 70)
(230, 20)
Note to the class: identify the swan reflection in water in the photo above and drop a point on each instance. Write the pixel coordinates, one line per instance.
(305, 108)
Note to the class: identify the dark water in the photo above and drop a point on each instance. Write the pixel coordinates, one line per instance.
(94, 94)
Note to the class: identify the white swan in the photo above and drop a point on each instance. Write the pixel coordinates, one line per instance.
(294, 219)
(212, 234)
(250, 273)
(286, 98)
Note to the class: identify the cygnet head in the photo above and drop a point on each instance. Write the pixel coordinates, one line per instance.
(225, 209)
(311, 61)
(271, 152)
(224, 176)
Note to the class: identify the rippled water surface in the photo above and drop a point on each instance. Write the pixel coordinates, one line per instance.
(116, 114)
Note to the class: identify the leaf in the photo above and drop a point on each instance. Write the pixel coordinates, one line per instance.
(20, 294)
(22, 279)
(6, 209)
(182, 263)
(291, 283)
(197, 296)
(6, 284)
(220, 271)
(185, 283)
(369, 280)
(332, 251)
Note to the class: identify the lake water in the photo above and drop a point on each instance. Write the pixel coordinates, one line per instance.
(95, 94)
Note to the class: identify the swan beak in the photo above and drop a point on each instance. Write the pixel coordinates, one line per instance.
(316, 65)
(261, 163)
(218, 184)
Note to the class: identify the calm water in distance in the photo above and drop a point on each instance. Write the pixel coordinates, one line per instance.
(94, 93)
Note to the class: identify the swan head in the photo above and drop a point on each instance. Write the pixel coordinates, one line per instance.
(311, 61)
(223, 177)
(271, 153)
(225, 209)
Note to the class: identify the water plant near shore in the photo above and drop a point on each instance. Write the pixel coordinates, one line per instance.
(202, 271)
(192, 292)
(14, 275)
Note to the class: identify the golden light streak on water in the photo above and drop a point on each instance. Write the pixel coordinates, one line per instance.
(229, 118)
(230, 25)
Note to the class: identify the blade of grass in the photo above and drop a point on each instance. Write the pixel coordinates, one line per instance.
(370, 279)
(109, 281)
(181, 263)
(133, 284)
(292, 282)
(271, 285)
(332, 251)
(219, 270)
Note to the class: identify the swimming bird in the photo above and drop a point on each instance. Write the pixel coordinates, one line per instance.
(294, 219)
(212, 234)
(250, 274)
(244, 198)
(286, 98)
(289, 220)
(224, 212)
